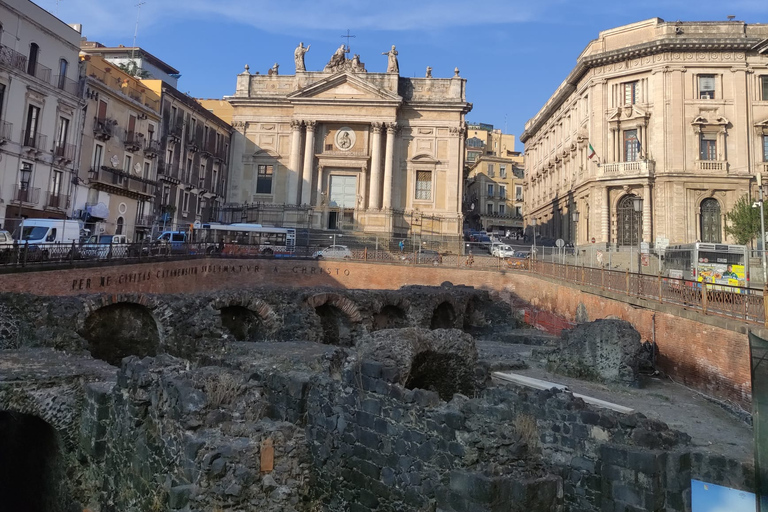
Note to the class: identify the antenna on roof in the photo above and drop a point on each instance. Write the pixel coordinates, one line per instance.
(136, 32)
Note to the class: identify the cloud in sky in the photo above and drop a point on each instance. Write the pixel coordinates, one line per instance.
(118, 17)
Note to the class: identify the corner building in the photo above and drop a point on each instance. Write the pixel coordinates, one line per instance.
(347, 149)
(674, 113)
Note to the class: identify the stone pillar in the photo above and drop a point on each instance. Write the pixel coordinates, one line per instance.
(606, 219)
(389, 158)
(294, 164)
(309, 159)
(362, 202)
(647, 220)
(319, 185)
(375, 198)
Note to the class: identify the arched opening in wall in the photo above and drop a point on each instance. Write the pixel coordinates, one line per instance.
(335, 324)
(470, 316)
(32, 472)
(120, 330)
(390, 317)
(443, 317)
(444, 373)
(241, 322)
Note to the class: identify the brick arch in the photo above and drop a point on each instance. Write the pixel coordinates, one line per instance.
(264, 311)
(59, 405)
(349, 308)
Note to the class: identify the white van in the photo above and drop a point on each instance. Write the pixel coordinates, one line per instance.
(53, 236)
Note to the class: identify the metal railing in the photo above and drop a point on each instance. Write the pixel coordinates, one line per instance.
(12, 58)
(57, 200)
(34, 140)
(6, 129)
(26, 194)
(745, 304)
(41, 72)
(67, 84)
(64, 151)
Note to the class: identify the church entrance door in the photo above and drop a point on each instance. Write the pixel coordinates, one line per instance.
(343, 197)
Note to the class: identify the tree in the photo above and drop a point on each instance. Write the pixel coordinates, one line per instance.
(743, 221)
(133, 69)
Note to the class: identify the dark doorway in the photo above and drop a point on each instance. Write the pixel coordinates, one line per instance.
(336, 329)
(444, 317)
(32, 473)
(390, 317)
(241, 322)
(630, 222)
(710, 221)
(121, 330)
(445, 374)
(333, 220)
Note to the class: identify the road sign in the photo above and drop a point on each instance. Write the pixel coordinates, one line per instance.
(645, 248)
(645, 259)
(559, 242)
(593, 239)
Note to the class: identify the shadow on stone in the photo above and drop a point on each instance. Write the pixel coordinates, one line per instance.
(241, 322)
(390, 317)
(336, 328)
(444, 317)
(121, 330)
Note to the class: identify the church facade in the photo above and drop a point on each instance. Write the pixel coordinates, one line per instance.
(347, 149)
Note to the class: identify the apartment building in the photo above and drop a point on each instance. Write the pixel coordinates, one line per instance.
(40, 113)
(194, 160)
(653, 136)
(484, 139)
(117, 180)
(494, 194)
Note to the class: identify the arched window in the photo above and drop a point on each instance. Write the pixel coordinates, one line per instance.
(629, 222)
(32, 62)
(63, 65)
(119, 228)
(710, 221)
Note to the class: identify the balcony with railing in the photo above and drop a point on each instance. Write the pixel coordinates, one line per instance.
(175, 130)
(13, 59)
(764, 166)
(41, 72)
(103, 128)
(145, 220)
(34, 140)
(26, 194)
(152, 103)
(64, 153)
(133, 141)
(638, 168)
(117, 181)
(5, 132)
(711, 165)
(151, 148)
(222, 153)
(57, 200)
(67, 84)
(168, 172)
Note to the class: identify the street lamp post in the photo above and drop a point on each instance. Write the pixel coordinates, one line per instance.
(334, 238)
(637, 205)
(533, 224)
(575, 241)
(762, 225)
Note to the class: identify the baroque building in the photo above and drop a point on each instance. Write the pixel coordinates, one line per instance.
(344, 148)
(40, 113)
(673, 113)
(117, 170)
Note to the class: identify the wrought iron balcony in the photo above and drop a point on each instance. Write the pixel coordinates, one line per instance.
(57, 200)
(145, 220)
(151, 148)
(118, 181)
(67, 84)
(13, 59)
(39, 71)
(637, 168)
(103, 128)
(64, 152)
(32, 140)
(133, 141)
(26, 194)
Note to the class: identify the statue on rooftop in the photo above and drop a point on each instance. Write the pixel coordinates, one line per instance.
(392, 66)
(298, 56)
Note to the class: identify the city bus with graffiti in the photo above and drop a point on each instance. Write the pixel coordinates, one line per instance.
(717, 264)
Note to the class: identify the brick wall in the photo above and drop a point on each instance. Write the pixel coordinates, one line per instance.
(712, 357)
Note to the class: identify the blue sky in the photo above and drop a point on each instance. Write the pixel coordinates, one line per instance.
(513, 53)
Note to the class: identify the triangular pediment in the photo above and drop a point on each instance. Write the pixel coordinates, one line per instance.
(627, 112)
(344, 87)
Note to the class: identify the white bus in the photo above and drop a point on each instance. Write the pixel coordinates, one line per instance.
(709, 263)
(246, 239)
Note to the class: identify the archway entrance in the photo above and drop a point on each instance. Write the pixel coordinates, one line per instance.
(444, 373)
(241, 322)
(629, 222)
(390, 317)
(443, 317)
(710, 221)
(120, 330)
(32, 473)
(336, 327)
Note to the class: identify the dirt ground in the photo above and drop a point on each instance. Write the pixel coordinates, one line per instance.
(711, 426)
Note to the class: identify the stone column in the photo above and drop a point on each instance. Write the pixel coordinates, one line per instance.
(309, 159)
(647, 221)
(294, 164)
(319, 185)
(389, 157)
(375, 200)
(362, 203)
(606, 219)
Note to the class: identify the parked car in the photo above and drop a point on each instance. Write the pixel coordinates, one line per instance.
(106, 247)
(424, 256)
(502, 251)
(522, 254)
(334, 251)
(6, 246)
(48, 238)
(169, 242)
